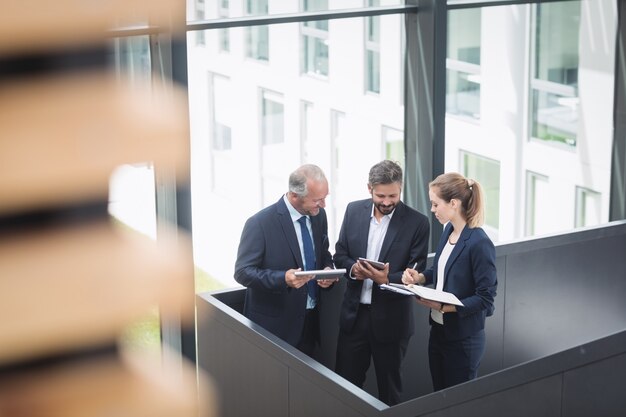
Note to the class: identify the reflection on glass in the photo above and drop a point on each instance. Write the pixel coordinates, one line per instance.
(587, 207)
(555, 87)
(372, 45)
(556, 42)
(257, 37)
(272, 119)
(221, 115)
(463, 94)
(537, 191)
(555, 117)
(315, 55)
(315, 40)
(463, 63)
(224, 35)
(132, 57)
(487, 172)
(394, 145)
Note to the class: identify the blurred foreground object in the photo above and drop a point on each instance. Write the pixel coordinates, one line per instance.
(71, 280)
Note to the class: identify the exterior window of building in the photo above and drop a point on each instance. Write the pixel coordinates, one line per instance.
(463, 63)
(587, 207)
(222, 100)
(223, 34)
(372, 51)
(554, 101)
(272, 118)
(199, 15)
(393, 140)
(537, 190)
(132, 57)
(257, 37)
(314, 36)
(307, 129)
(487, 172)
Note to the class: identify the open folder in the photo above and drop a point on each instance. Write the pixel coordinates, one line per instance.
(423, 292)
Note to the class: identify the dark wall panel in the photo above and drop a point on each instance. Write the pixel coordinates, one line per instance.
(562, 296)
(597, 389)
(251, 382)
(540, 398)
(305, 400)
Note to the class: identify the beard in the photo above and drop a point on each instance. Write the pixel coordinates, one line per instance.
(385, 210)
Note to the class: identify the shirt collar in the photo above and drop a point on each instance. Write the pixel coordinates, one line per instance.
(295, 214)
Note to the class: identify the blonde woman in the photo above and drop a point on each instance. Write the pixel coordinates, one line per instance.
(464, 265)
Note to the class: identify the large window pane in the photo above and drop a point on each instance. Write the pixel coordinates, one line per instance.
(463, 63)
(555, 76)
(257, 37)
(487, 172)
(279, 120)
(315, 40)
(544, 110)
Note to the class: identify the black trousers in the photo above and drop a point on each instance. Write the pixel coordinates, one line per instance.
(355, 351)
(310, 332)
(453, 361)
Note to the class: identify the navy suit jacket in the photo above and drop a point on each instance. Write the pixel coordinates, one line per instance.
(267, 249)
(405, 243)
(470, 274)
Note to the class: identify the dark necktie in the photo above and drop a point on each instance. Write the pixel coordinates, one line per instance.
(309, 256)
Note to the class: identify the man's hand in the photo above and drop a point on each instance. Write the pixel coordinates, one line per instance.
(325, 283)
(365, 270)
(294, 281)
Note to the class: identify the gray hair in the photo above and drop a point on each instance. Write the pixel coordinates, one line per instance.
(298, 179)
(385, 172)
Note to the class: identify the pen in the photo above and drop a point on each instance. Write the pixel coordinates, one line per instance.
(414, 265)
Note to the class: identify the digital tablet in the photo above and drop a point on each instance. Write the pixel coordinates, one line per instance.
(323, 273)
(375, 264)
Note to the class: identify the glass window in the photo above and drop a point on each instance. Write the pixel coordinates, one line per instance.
(555, 74)
(132, 201)
(463, 63)
(537, 191)
(257, 37)
(315, 40)
(487, 172)
(199, 10)
(372, 47)
(272, 131)
(506, 101)
(587, 207)
(223, 34)
(222, 100)
(394, 145)
(272, 118)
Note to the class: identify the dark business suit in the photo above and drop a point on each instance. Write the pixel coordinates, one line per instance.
(390, 314)
(456, 348)
(268, 248)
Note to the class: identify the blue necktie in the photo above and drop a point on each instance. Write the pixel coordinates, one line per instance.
(309, 256)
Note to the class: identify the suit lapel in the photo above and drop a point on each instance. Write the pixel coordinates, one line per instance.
(286, 224)
(364, 227)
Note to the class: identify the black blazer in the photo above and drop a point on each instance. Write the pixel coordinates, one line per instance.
(267, 249)
(471, 276)
(405, 243)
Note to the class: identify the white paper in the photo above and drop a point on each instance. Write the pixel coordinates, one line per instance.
(424, 292)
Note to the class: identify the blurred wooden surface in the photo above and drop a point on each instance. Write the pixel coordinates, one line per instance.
(69, 287)
(31, 26)
(127, 385)
(62, 136)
